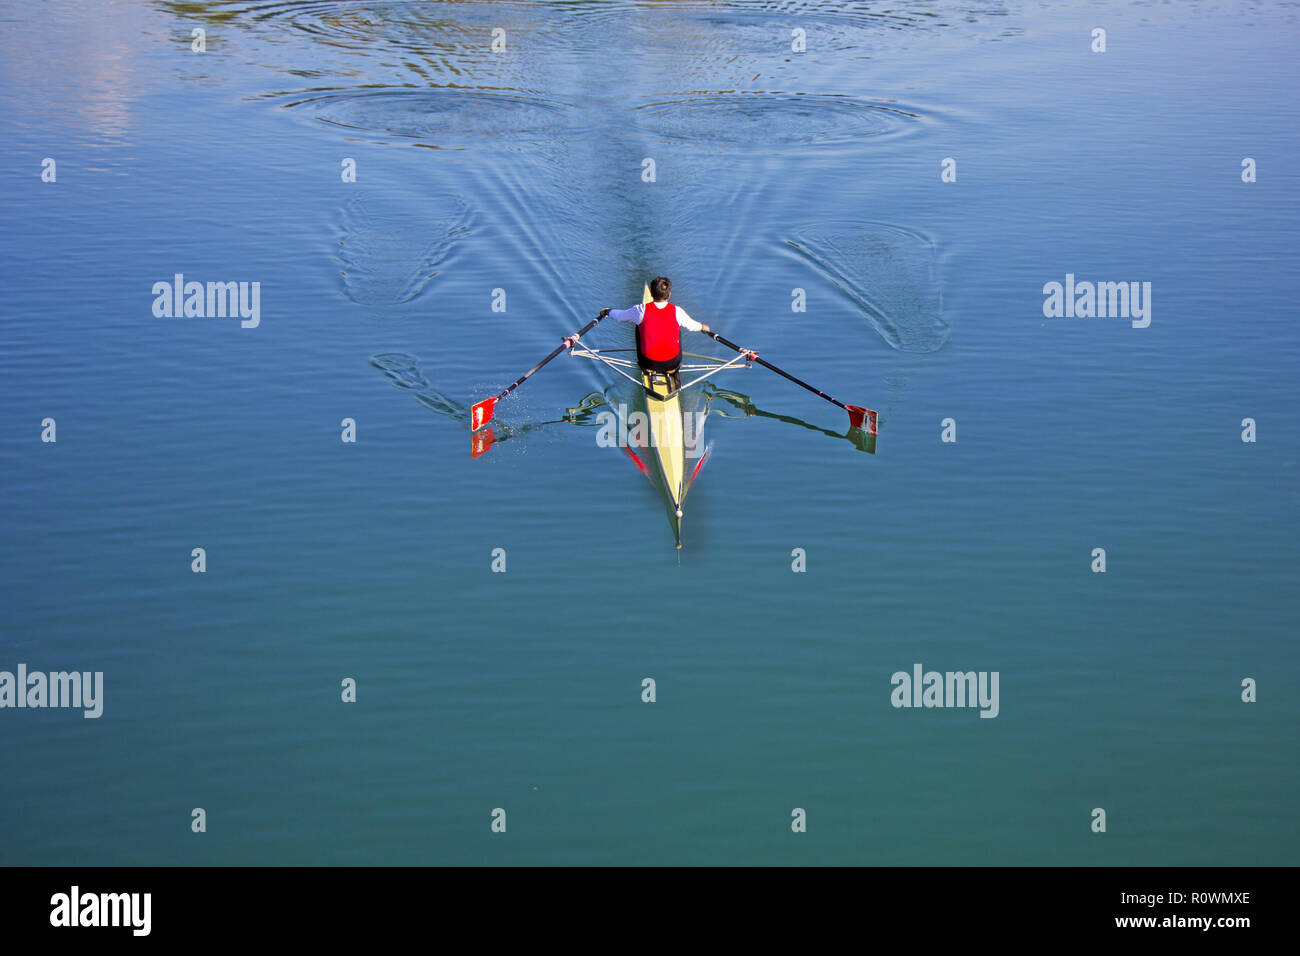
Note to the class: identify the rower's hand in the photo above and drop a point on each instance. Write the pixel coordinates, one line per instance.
(704, 328)
(604, 312)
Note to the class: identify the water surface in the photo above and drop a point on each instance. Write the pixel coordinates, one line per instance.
(522, 171)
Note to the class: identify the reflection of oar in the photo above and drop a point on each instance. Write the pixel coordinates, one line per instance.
(861, 440)
(859, 417)
(481, 413)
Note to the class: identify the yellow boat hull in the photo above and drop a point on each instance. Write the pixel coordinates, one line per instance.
(667, 440)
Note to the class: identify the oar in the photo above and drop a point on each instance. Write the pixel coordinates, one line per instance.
(481, 412)
(859, 417)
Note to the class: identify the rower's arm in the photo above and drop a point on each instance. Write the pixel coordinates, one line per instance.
(686, 322)
(626, 315)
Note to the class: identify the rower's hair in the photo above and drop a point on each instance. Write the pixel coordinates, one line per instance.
(660, 286)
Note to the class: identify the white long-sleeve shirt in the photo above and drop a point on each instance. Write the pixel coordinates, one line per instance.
(637, 312)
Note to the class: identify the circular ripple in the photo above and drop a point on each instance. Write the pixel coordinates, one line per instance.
(447, 118)
(762, 120)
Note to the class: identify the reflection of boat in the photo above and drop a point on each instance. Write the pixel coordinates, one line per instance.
(666, 438)
(594, 410)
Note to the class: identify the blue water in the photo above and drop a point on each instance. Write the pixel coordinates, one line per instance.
(774, 170)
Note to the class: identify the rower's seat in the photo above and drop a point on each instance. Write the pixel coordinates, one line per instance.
(664, 383)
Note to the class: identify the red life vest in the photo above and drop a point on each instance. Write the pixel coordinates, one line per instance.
(658, 335)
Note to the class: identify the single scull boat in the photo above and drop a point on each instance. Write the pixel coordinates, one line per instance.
(668, 433)
(667, 430)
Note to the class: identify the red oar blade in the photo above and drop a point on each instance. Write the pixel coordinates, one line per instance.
(481, 413)
(863, 418)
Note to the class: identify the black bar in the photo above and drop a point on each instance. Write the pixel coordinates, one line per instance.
(923, 905)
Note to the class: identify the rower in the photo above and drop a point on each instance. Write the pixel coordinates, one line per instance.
(659, 327)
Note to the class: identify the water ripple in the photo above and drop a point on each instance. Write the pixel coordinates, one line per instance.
(764, 120)
(440, 117)
(891, 274)
(388, 252)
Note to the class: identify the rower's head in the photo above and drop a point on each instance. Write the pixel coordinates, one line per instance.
(660, 288)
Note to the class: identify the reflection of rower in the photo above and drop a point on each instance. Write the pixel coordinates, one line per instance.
(659, 326)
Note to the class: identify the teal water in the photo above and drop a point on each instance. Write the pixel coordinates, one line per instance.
(775, 170)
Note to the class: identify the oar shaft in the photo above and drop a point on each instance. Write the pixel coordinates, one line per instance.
(560, 348)
(781, 372)
(527, 375)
